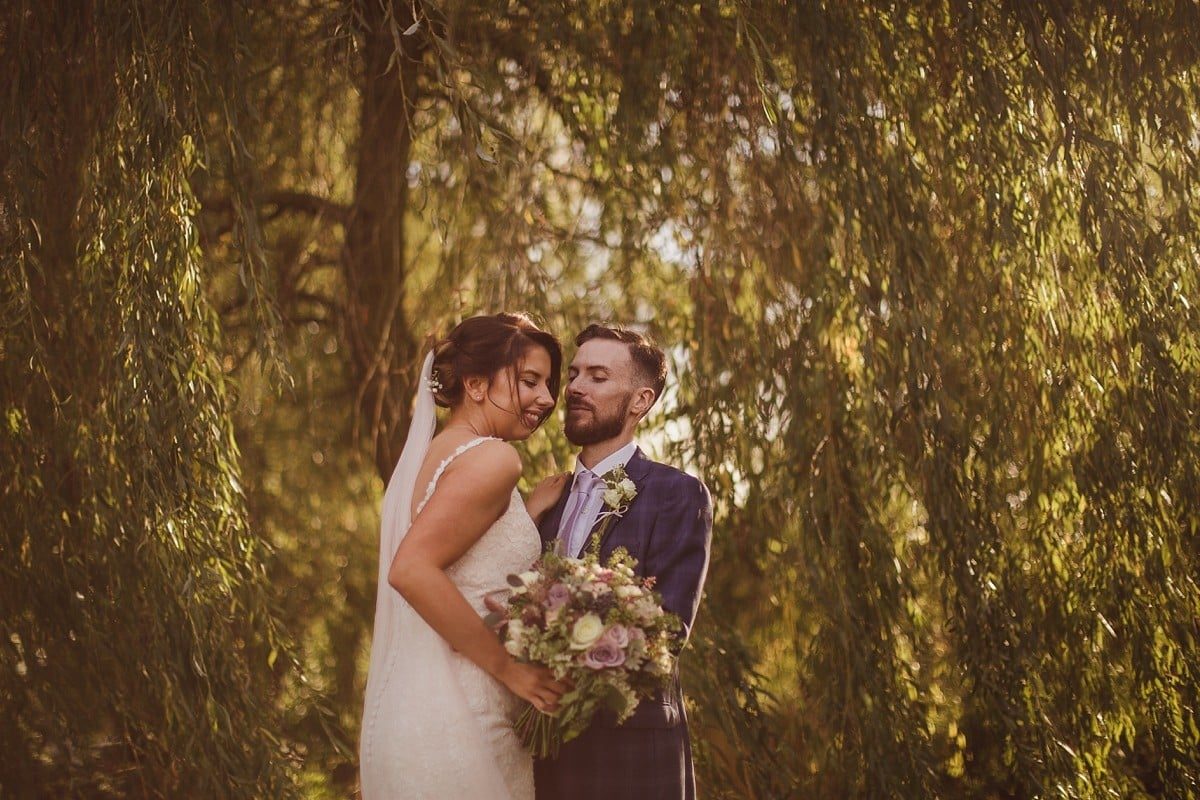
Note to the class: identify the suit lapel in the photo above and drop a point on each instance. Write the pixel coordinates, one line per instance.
(638, 466)
(636, 469)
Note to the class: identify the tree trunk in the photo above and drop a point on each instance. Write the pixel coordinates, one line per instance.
(381, 346)
(377, 334)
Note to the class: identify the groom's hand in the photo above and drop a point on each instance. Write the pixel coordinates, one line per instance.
(546, 494)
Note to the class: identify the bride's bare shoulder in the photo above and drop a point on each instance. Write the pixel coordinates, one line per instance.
(494, 456)
(488, 460)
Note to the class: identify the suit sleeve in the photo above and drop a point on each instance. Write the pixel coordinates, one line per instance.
(678, 550)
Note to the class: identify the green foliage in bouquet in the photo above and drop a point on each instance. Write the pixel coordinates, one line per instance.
(597, 626)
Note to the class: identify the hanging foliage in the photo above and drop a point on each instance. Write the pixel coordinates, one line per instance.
(138, 632)
(927, 276)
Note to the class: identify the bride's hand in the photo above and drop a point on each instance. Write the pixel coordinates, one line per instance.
(535, 684)
(546, 494)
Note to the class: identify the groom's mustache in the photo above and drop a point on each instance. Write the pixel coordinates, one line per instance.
(579, 404)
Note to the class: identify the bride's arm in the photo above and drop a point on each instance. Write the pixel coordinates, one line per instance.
(472, 495)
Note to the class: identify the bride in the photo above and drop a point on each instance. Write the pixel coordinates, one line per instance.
(442, 692)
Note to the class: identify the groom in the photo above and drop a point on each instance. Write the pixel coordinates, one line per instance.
(614, 379)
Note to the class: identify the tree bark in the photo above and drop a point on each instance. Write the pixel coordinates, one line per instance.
(381, 345)
(377, 333)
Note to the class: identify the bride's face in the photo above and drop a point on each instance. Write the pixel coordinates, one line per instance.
(518, 399)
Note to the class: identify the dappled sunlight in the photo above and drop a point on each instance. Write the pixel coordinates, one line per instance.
(926, 279)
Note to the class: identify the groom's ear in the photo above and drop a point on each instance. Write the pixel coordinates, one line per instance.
(643, 399)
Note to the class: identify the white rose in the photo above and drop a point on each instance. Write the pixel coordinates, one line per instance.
(586, 630)
(629, 590)
(627, 486)
(612, 498)
(512, 642)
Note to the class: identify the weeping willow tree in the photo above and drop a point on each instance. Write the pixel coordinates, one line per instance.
(947, 362)
(137, 631)
(927, 276)
(930, 271)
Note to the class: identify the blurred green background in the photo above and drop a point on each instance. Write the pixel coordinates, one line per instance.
(927, 274)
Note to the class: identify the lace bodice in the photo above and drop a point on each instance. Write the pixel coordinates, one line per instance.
(509, 546)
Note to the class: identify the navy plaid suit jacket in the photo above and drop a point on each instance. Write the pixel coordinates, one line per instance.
(668, 529)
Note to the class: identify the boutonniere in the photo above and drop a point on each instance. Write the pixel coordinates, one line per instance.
(619, 491)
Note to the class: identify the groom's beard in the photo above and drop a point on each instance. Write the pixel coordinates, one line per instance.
(592, 427)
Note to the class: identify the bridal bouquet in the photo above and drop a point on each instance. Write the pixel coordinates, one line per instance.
(598, 627)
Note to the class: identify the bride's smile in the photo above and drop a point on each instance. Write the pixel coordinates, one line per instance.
(532, 400)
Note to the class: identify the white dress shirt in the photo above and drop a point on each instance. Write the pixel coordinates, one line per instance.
(577, 537)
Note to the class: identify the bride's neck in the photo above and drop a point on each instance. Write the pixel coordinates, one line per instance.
(466, 420)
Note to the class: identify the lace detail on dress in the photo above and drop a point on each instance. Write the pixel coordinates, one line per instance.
(437, 473)
(420, 749)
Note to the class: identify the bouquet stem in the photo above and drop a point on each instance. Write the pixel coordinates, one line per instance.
(539, 733)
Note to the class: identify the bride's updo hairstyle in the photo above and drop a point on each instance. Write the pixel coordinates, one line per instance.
(482, 346)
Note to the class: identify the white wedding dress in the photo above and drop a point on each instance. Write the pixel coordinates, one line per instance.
(435, 726)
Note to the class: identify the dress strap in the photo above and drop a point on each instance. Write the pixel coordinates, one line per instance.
(437, 473)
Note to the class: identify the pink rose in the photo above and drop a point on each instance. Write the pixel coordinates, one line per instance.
(557, 596)
(617, 635)
(602, 655)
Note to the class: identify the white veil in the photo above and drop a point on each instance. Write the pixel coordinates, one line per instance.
(415, 711)
(397, 500)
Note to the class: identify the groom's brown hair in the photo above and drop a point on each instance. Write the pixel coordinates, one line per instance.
(649, 361)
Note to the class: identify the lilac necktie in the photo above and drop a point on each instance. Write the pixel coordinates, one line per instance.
(581, 492)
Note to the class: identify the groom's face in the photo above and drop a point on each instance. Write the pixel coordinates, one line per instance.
(600, 391)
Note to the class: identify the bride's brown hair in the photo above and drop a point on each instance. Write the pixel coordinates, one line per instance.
(482, 346)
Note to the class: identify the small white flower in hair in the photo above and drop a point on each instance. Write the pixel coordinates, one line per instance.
(435, 385)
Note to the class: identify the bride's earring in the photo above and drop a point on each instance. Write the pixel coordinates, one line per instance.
(472, 388)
